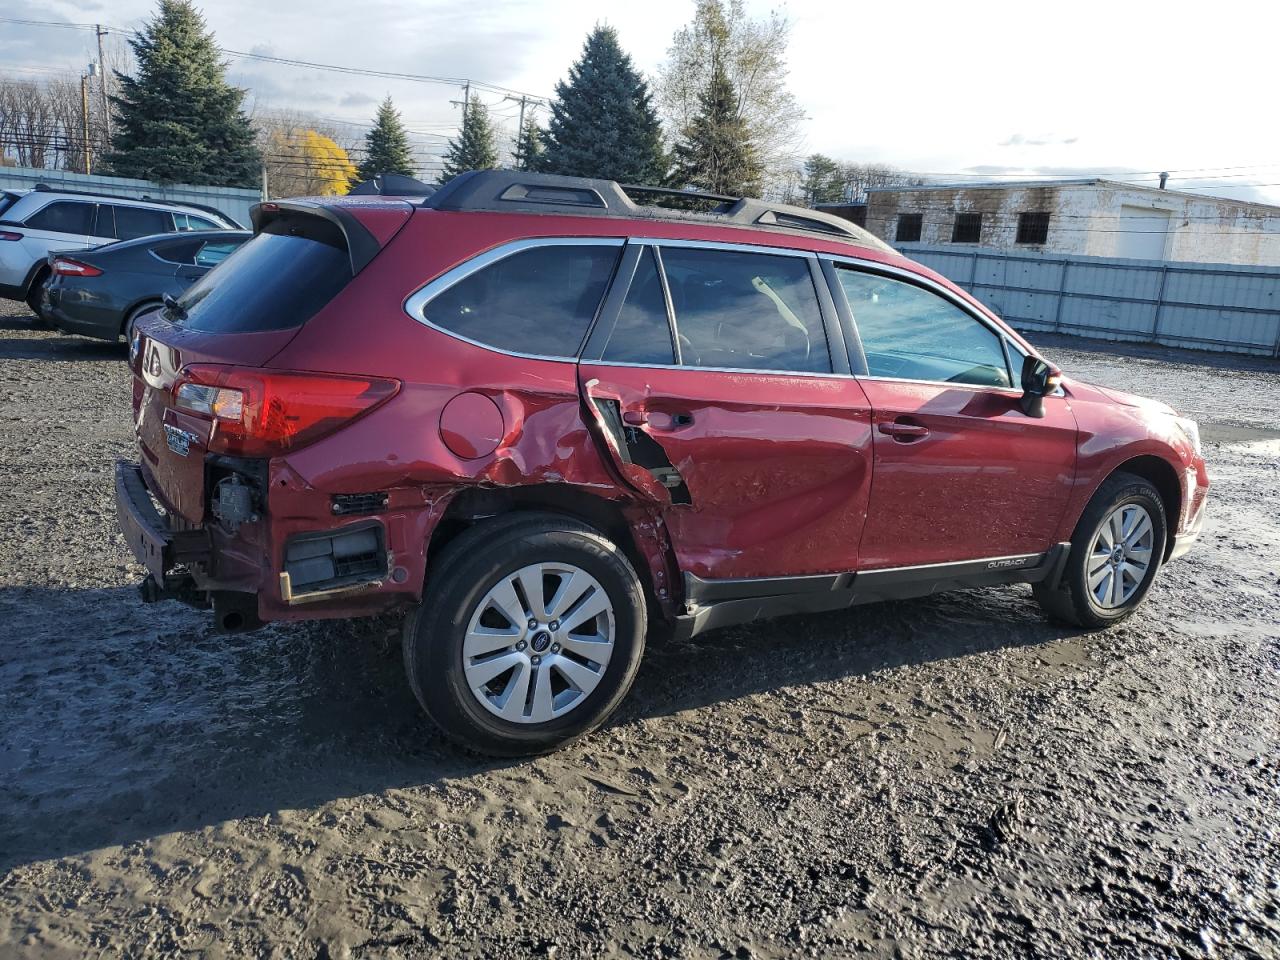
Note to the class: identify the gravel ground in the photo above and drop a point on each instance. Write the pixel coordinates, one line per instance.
(952, 776)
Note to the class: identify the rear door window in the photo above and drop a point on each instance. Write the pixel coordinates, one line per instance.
(642, 333)
(132, 222)
(745, 311)
(536, 301)
(278, 279)
(909, 333)
(63, 216)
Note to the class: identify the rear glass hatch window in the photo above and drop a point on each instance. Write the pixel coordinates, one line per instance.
(277, 280)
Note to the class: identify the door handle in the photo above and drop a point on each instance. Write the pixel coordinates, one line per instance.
(635, 418)
(904, 432)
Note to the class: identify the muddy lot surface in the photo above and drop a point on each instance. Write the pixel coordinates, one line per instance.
(949, 777)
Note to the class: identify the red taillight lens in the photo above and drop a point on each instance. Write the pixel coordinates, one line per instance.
(66, 267)
(9, 235)
(264, 413)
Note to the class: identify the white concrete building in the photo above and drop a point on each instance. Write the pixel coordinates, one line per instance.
(1096, 218)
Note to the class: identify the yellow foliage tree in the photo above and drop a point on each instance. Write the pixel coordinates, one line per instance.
(327, 164)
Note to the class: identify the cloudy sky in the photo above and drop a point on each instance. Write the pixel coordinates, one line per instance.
(953, 90)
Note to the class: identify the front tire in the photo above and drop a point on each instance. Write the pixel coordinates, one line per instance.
(529, 636)
(1116, 549)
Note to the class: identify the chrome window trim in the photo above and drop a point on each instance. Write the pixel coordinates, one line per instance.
(722, 245)
(754, 370)
(897, 273)
(416, 303)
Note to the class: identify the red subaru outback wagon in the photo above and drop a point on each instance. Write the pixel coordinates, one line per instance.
(544, 417)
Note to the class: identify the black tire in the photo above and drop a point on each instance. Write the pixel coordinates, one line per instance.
(459, 580)
(34, 293)
(1072, 602)
(126, 328)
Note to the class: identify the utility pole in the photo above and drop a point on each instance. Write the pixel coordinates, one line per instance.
(523, 100)
(84, 117)
(266, 194)
(106, 97)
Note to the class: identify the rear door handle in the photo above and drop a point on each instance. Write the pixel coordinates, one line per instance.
(904, 432)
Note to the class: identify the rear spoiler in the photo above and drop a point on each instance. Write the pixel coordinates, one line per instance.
(362, 245)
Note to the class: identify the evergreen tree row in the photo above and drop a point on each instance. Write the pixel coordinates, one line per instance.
(178, 120)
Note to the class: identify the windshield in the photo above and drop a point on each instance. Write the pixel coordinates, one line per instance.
(279, 279)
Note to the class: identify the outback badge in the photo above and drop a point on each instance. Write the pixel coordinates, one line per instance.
(179, 440)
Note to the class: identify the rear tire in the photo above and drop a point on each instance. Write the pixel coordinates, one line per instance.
(126, 328)
(34, 294)
(557, 681)
(1116, 551)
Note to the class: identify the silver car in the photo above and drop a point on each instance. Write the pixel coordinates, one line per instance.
(35, 223)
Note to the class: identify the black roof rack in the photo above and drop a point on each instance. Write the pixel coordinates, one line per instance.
(46, 188)
(514, 191)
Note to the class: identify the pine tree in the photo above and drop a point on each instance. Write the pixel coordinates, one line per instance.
(386, 146)
(472, 148)
(603, 122)
(716, 152)
(528, 151)
(178, 120)
(823, 182)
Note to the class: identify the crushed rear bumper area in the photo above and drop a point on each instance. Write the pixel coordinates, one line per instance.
(155, 546)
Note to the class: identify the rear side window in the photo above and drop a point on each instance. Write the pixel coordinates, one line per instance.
(132, 222)
(279, 279)
(642, 334)
(189, 221)
(214, 252)
(63, 216)
(909, 333)
(539, 301)
(746, 311)
(180, 251)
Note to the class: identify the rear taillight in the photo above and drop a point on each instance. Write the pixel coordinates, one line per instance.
(66, 267)
(9, 235)
(264, 413)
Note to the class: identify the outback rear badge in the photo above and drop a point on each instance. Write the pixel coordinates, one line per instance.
(179, 440)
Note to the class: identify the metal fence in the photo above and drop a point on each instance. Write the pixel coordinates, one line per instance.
(233, 201)
(1203, 306)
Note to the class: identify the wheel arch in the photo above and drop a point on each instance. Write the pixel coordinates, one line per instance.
(39, 271)
(1160, 474)
(611, 518)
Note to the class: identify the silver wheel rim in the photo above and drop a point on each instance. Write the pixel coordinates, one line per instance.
(538, 643)
(1120, 555)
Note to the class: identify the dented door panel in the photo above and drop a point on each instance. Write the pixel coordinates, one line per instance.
(776, 468)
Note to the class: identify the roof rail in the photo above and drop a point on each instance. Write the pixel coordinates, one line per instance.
(515, 191)
(46, 188)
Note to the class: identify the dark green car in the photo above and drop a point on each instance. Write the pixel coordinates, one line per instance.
(101, 292)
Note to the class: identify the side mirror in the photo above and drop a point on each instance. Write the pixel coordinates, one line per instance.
(1039, 379)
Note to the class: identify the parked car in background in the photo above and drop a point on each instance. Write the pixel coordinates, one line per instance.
(101, 292)
(542, 414)
(35, 223)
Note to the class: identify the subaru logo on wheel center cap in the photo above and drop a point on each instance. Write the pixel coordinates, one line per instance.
(541, 640)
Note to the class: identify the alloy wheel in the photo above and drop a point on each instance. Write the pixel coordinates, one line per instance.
(538, 642)
(1120, 555)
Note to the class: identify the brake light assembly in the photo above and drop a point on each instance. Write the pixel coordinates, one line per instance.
(67, 267)
(266, 413)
